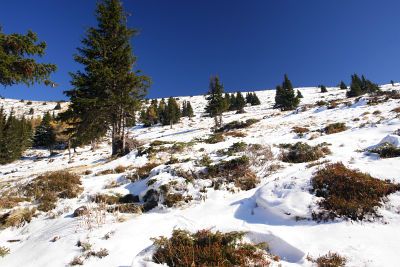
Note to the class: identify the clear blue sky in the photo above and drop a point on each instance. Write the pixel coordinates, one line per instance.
(250, 44)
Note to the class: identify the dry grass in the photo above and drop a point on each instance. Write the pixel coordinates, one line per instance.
(303, 152)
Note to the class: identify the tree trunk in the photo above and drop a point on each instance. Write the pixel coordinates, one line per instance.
(69, 150)
(170, 123)
(113, 138)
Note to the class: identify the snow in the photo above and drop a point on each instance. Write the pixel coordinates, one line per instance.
(277, 211)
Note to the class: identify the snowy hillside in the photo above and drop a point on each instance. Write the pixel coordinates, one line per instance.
(23, 107)
(278, 211)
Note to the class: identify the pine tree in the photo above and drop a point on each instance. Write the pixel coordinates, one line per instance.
(108, 91)
(361, 86)
(216, 102)
(284, 97)
(172, 112)
(255, 100)
(343, 86)
(16, 63)
(299, 95)
(189, 110)
(44, 134)
(232, 102)
(240, 102)
(15, 137)
(392, 82)
(57, 107)
(323, 89)
(161, 111)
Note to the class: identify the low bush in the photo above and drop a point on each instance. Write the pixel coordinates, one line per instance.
(235, 171)
(205, 248)
(329, 260)
(215, 138)
(49, 187)
(321, 103)
(237, 147)
(205, 161)
(17, 218)
(348, 193)
(4, 251)
(235, 134)
(172, 199)
(386, 150)
(237, 125)
(259, 155)
(303, 152)
(377, 112)
(120, 169)
(144, 171)
(300, 130)
(335, 128)
(397, 110)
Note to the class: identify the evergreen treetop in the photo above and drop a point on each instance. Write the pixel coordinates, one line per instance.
(285, 98)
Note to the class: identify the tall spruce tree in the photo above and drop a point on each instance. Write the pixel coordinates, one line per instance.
(17, 60)
(15, 137)
(172, 112)
(216, 102)
(108, 91)
(299, 95)
(323, 89)
(360, 86)
(343, 86)
(44, 134)
(284, 97)
(240, 102)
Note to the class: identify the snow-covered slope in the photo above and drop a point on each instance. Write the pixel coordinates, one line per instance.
(277, 211)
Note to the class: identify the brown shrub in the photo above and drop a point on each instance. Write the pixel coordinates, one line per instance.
(397, 110)
(329, 260)
(172, 199)
(236, 171)
(303, 152)
(144, 171)
(235, 134)
(49, 187)
(215, 138)
(335, 128)
(17, 218)
(300, 130)
(120, 169)
(205, 248)
(348, 193)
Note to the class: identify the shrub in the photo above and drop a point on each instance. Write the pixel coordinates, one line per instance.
(335, 128)
(205, 248)
(377, 112)
(386, 150)
(235, 134)
(259, 155)
(236, 171)
(17, 218)
(4, 251)
(321, 103)
(47, 188)
(171, 199)
(76, 261)
(120, 169)
(348, 193)
(329, 260)
(237, 125)
(144, 171)
(215, 138)
(303, 152)
(397, 110)
(205, 160)
(29, 103)
(300, 130)
(237, 147)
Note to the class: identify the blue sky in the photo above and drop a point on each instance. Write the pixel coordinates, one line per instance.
(249, 44)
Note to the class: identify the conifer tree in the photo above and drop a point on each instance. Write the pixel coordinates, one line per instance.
(172, 113)
(299, 95)
(216, 102)
(323, 89)
(108, 91)
(361, 86)
(240, 102)
(15, 137)
(189, 110)
(284, 97)
(254, 101)
(44, 134)
(343, 86)
(17, 63)
(392, 82)
(161, 110)
(232, 102)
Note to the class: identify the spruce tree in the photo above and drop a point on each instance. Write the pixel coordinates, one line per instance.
(255, 100)
(108, 90)
(299, 95)
(240, 102)
(189, 110)
(392, 82)
(44, 134)
(361, 86)
(216, 102)
(173, 112)
(323, 89)
(343, 86)
(161, 110)
(17, 63)
(232, 102)
(284, 97)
